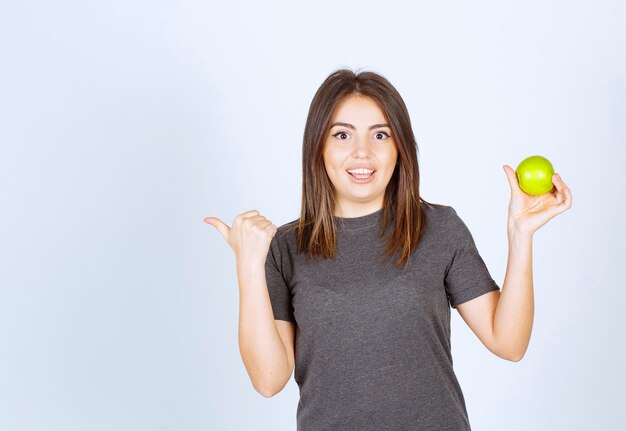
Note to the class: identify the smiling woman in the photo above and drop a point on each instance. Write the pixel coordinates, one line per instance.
(370, 338)
(365, 151)
(359, 121)
(355, 295)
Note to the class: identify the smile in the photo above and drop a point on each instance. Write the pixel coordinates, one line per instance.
(361, 177)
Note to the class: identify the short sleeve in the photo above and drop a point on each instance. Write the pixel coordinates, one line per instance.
(280, 296)
(467, 276)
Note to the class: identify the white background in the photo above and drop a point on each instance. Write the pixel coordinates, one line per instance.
(124, 123)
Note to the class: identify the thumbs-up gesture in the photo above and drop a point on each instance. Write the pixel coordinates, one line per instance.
(250, 236)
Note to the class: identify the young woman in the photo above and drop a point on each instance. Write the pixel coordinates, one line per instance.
(356, 292)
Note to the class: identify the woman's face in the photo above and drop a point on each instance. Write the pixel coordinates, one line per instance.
(359, 137)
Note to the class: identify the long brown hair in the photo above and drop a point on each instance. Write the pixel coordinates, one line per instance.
(402, 202)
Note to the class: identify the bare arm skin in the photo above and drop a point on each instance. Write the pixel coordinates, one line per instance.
(266, 350)
(266, 345)
(503, 321)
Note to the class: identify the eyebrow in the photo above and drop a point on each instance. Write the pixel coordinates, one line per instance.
(350, 126)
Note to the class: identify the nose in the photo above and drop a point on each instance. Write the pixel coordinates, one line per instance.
(361, 146)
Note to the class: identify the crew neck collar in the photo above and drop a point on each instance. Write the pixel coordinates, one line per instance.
(367, 220)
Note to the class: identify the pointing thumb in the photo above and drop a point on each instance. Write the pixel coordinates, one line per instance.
(222, 228)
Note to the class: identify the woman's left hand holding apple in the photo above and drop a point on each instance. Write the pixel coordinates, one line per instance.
(527, 213)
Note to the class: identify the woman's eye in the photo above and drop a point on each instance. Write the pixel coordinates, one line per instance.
(343, 135)
(336, 135)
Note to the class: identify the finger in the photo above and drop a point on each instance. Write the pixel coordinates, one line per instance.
(564, 194)
(247, 214)
(512, 178)
(567, 203)
(568, 198)
(255, 218)
(263, 223)
(270, 226)
(221, 227)
(558, 183)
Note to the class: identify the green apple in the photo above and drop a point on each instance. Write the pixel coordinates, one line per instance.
(534, 175)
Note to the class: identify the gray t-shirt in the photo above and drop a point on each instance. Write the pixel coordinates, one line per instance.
(373, 345)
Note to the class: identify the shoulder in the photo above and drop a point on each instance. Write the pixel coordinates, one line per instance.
(445, 223)
(285, 237)
(440, 211)
(287, 228)
(437, 213)
(455, 229)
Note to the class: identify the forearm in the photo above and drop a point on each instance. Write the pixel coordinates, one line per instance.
(513, 319)
(260, 345)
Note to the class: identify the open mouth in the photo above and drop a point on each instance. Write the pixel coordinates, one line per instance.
(361, 176)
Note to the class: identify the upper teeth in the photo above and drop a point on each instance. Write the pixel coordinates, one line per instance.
(361, 171)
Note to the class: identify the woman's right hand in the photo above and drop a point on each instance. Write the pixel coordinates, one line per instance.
(250, 236)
